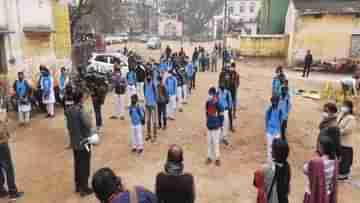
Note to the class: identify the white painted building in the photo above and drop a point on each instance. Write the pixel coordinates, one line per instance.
(26, 32)
(170, 27)
(240, 12)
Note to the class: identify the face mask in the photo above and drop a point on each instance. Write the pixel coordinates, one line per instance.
(345, 109)
(325, 115)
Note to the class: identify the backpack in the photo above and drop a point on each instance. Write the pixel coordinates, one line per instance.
(120, 87)
(211, 108)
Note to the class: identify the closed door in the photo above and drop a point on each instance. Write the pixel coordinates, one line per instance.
(3, 68)
(355, 45)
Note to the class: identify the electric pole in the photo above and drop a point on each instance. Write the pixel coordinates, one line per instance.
(224, 31)
(183, 24)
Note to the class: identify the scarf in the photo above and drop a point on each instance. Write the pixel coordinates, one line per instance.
(259, 183)
(21, 88)
(317, 183)
(174, 169)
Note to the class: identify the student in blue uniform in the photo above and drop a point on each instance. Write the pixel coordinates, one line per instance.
(137, 118)
(278, 81)
(22, 90)
(131, 82)
(285, 106)
(190, 71)
(273, 121)
(214, 123)
(171, 87)
(226, 101)
(150, 93)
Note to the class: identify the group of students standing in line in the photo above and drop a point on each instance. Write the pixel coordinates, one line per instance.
(44, 96)
(165, 89)
(221, 108)
(332, 160)
(165, 92)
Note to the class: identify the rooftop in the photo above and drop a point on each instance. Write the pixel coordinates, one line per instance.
(327, 6)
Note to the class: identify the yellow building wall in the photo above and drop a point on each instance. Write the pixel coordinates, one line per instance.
(263, 45)
(37, 49)
(328, 37)
(62, 36)
(51, 49)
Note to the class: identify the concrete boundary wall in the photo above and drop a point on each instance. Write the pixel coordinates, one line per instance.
(261, 45)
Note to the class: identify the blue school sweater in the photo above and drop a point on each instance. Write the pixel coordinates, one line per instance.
(225, 99)
(136, 114)
(276, 86)
(150, 93)
(190, 70)
(171, 85)
(273, 120)
(285, 106)
(131, 78)
(214, 114)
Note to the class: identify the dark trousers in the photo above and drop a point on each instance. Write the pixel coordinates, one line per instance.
(7, 169)
(98, 115)
(162, 115)
(214, 66)
(82, 168)
(151, 120)
(307, 70)
(347, 155)
(283, 129)
(193, 81)
(233, 96)
(231, 119)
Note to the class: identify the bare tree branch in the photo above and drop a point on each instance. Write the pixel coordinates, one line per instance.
(196, 14)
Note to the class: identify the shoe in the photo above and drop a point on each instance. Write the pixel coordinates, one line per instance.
(225, 142)
(180, 110)
(113, 117)
(133, 150)
(122, 118)
(140, 151)
(343, 177)
(68, 147)
(77, 189)
(208, 161)
(217, 163)
(147, 138)
(86, 192)
(16, 196)
(3, 193)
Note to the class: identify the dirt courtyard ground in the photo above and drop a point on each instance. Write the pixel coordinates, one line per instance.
(44, 168)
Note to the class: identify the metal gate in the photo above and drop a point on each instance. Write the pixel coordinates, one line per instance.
(355, 45)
